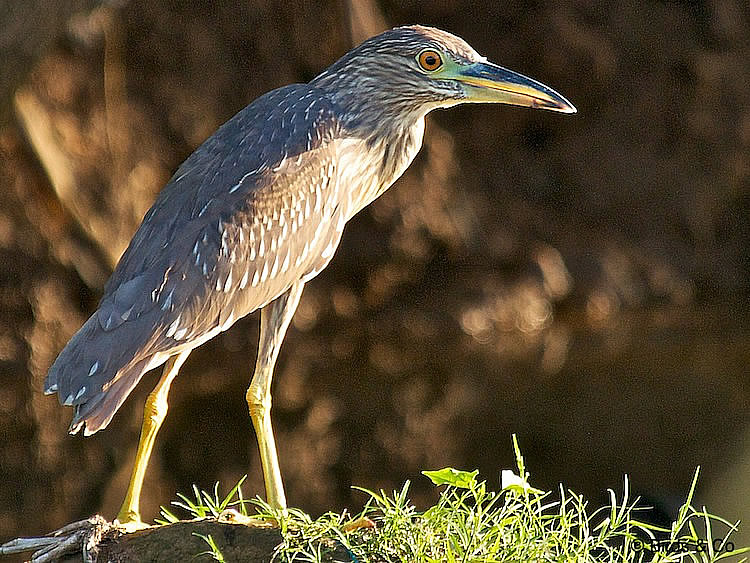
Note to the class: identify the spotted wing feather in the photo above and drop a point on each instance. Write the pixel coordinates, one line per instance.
(253, 210)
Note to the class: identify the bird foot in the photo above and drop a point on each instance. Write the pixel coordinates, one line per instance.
(131, 525)
(82, 536)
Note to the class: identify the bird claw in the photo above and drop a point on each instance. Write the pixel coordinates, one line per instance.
(82, 536)
(130, 526)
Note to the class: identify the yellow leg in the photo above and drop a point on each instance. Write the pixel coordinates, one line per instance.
(153, 415)
(274, 321)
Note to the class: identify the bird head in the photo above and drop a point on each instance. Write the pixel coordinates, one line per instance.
(415, 69)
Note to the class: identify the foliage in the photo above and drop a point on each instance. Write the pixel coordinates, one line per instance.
(472, 523)
(213, 549)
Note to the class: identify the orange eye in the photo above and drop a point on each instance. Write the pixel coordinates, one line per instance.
(430, 60)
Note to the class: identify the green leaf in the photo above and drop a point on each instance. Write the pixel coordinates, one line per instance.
(512, 482)
(453, 477)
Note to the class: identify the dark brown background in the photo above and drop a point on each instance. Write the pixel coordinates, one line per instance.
(582, 281)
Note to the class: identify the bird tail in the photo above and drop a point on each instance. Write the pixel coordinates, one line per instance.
(91, 376)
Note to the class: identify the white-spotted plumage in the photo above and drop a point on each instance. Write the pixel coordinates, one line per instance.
(258, 208)
(181, 333)
(167, 304)
(173, 327)
(125, 315)
(204, 208)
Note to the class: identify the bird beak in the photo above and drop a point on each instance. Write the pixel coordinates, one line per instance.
(487, 82)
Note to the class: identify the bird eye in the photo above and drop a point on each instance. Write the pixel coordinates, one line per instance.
(430, 60)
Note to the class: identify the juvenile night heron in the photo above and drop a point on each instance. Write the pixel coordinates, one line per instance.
(255, 213)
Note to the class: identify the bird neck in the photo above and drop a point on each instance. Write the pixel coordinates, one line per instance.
(398, 149)
(377, 161)
(388, 128)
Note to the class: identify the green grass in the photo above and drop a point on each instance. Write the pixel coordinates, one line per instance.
(471, 523)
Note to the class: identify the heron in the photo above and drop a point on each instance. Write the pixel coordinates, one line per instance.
(256, 212)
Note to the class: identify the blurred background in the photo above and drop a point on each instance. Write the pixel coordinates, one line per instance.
(582, 281)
